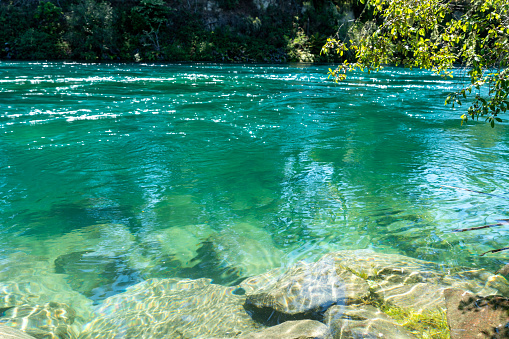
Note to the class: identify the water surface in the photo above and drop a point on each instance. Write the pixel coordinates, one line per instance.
(111, 174)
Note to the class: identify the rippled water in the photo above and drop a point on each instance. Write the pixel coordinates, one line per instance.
(112, 174)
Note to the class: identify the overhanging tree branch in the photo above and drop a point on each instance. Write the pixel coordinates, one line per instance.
(430, 35)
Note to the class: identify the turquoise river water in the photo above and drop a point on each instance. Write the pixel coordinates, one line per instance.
(111, 174)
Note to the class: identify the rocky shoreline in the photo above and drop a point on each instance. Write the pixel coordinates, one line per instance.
(345, 294)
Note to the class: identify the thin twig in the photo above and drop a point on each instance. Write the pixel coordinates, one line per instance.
(495, 251)
(500, 223)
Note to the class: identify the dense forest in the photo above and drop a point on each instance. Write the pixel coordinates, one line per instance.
(171, 30)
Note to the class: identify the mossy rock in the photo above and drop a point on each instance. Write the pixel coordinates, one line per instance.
(363, 321)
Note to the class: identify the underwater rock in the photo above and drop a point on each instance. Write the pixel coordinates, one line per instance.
(252, 197)
(96, 276)
(471, 317)
(305, 288)
(196, 251)
(51, 320)
(299, 329)
(98, 260)
(363, 321)
(101, 240)
(26, 280)
(181, 243)
(477, 281)
(104, 239)
(181, 209)
(504, 270)
(246, 248)
(170, 308)
(12, 333)
(101, 244)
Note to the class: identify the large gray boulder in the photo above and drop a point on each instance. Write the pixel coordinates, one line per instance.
(169, 308)
(305, 288)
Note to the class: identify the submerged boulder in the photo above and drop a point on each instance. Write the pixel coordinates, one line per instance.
(39, 302)
(246, 248)
(180, 243)
(102, 239)
(96, 276)
(30, 282)
(170, 308)
(238, 251)
(98, 260)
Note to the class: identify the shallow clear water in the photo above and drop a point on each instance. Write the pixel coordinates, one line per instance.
(112, 174)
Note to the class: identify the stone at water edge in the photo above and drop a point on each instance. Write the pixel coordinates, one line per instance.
(305, 288)
(412, 283)
(299, 329)
(363, 321)
(11, 333)
(473, 317)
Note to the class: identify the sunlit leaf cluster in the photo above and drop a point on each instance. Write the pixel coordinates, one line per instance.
(438, 35)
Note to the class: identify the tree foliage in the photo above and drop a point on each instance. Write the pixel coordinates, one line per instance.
(90, 31)
(437, 35)
(169, 30)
